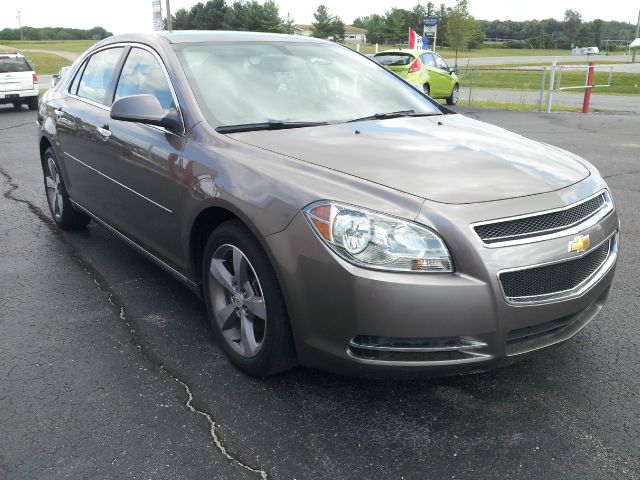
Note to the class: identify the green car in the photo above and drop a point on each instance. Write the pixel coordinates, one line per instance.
(423, 68)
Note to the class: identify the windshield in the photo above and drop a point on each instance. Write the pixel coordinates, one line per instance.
(393, 59)
(250, 82)
(13, 64)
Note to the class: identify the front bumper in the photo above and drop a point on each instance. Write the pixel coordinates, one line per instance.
(356, 321)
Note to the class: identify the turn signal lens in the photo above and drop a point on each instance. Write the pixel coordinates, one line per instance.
(373, 240)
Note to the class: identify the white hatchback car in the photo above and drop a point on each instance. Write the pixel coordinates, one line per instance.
(18, 81)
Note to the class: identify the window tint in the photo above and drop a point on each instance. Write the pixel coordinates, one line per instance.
(97, 74)
(428, 60)
(13, 64)
(74, 85)
(254, 82)
(440, 63)
(142, 74)
(393, 59)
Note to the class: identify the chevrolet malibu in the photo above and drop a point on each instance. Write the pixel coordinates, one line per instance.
(328, 213)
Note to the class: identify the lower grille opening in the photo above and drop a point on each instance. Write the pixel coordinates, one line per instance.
(435, 349)
(542, 330)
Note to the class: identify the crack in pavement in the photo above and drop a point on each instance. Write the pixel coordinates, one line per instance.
(118, 305)
(16, 126)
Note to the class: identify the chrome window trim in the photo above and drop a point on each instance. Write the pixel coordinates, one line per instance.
(575, 292)
(572, 229)
(118, 183)
(142, 46)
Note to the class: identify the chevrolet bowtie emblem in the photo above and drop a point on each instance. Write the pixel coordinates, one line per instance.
(579, 244)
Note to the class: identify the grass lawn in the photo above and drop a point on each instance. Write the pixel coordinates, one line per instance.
(621, 83)
(520, 107)
(74, 46)
(45, 63)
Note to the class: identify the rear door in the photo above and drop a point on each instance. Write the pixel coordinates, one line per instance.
(82, 125)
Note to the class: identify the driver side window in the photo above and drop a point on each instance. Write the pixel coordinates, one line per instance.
(142, 74)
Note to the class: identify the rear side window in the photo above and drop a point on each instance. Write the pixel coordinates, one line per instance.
(428, 60)
(393, 59)
(142, 74)
(14, 64)
(97, 74)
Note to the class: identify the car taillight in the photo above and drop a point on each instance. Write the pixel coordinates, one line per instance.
(415, 66)
(35, 78)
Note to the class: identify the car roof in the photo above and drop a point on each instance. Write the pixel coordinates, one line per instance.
(196, 36)
(412, 51)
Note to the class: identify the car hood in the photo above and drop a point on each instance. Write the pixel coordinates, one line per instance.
(444, 158)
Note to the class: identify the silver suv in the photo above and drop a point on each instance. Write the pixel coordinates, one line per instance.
(18, 81)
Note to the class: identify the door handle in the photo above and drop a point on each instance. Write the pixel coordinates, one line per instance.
(104, 132)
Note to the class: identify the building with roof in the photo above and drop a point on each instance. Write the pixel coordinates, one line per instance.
(351, 34)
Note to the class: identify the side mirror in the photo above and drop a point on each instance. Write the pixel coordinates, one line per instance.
(453, 70)
(145, 109)
(54, 79)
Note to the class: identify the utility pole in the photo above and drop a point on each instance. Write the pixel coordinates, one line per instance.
(638, 26)
(169, 16)
(20, 23)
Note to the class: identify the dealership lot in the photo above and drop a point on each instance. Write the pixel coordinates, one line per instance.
(100, 352)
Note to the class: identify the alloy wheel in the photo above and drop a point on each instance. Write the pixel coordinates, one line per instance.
(237, 300)
(54, 188)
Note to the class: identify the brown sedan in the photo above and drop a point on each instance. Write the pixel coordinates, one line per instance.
(328, 213)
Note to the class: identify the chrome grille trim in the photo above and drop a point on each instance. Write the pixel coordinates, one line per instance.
(578, 290)
(593, 217)
(417, 350)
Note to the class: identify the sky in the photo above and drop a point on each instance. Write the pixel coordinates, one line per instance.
(120, 16)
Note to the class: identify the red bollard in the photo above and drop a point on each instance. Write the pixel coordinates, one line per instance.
(587, 91)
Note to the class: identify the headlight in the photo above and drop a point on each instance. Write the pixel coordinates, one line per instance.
(377, 241)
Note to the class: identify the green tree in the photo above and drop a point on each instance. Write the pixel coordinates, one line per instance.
(323, 26)
(572, 22)
(327, 25)
(460, 26)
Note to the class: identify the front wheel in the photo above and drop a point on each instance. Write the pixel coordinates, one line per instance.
(455, 93)
(245, 303)
(60, 206)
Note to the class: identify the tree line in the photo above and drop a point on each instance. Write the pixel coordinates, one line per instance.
(549, 33)
(54, 33)
(248, 15)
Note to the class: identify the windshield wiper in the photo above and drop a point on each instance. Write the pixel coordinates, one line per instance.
(270, 125)
(399, 113)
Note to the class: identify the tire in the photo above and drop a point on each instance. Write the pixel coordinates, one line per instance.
(455, 93)
(33, 103)
(17, 106)
(63, 213)
(426, 89)
(246, 310)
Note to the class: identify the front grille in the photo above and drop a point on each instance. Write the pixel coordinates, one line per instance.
(539, 224)
(538, 282)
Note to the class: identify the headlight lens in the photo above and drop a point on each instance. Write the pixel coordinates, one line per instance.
(378, 241)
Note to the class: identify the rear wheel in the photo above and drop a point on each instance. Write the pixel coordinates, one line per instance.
(33, 103)
(426, 89)
(455, 93)
(17, 105)
(60, 206)
(245, 303)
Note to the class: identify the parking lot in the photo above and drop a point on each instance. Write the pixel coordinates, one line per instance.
(109, 368)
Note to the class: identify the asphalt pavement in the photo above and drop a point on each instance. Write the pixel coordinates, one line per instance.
(108, 368)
